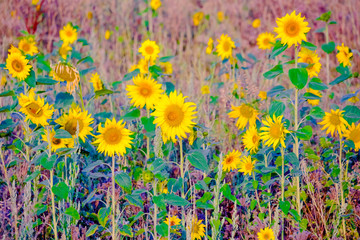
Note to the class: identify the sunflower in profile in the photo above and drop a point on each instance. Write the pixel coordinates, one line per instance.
(96, 81)
(65, 72)
(314, 102)
(57, 143)
(143, 65)
(224, 47)
(114, 138)
(68, 34)
(166, 67)
(210, 46)
(64, 49)
(231, 161)
(274, 131)
(174, 116)
(150, 50)
(35, 108)
(251, 139)
(246, 165)
(28, 46)
(344, 55)
(197, 229)
(146, 91)
(265, 40)
(311, 58)
(334, 122)
(174, 220)
(76, 122)
(353, 134)
(291, 29)
(266, 234)
(245, 114)
(18, 66)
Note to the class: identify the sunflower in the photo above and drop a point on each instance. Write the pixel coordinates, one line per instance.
(210, 46)
(18, 66)
(205, 90)
(274, 131)
(246, 165)
(96, 81)
(166, 67)
(13, 49)
(114, 138)
(174, 220)
(231, 161)
(354, 99)
(68, 34)
(266, 234)
(77, 123)
(291, 29)
(65, 72)
(143, 65)
(155, 4)
(265, 40)
(35, 109)
(334, 122)
(197, 18)
(251, 139)
(220, 16)
(197, 229)
(57, 143)
(314, 102)
(28, 46)
(256, 23)
(263, 95)
(224, 47)
(174, 116)
(344, 55)
(311, 58)
(145, 91)
(64, 49)
(107, 34)
(245, 113)
(149, 50)
(353, 134)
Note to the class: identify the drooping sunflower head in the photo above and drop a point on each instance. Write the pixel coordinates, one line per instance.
(68, 34)
(274, 131)
(311, 58)
(96, 81)
(344, 55)
(65, 72)
(114, 138)
(314, 102)
(265, 40)
(247, 165)
(224, 47)
(197, 229)
(231, 161)
(245, 114)
(174, 220)
(291, 29)
(28, 46)
(155, 4)
(353, 134)
(266, 234)
(145, 91)
(150, 50)
(197, 18)
(18, 66)
(57, 143)
(251, 139)
(334, 122)
(210, 46)
(174, 116)
(35, 108)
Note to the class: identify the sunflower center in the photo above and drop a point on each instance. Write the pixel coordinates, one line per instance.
(226, 46)
(17, 66)
(266, 41)
(66, 73)
(195, 228)
(112, 136)
(355, 135)
(34, 109)
(266, 236)
(56, 141)
(72, 125)
(335, 119)
(248, 166)
(149, 50)
(229, 160)
(26, 47)
(246, 111)
(309, 60)
(172, 223)
(275, 131)
(174, 115)
(292, 29)
(255, 139)
(69, 33)
(145, 91)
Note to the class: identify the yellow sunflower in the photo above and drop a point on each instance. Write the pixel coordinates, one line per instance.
(205, 90)
(96, 81)
(114, 138)
(197, 229)
(68, 34)
(210, 46)
(35, 108)
(174, 116)
(353, 134)
(344, 55)
(64, 49)
(197, 18)
(266, 234)
(57, 143)
(311, 58)
(251, 139)
(166, 67)
(263, 95)
(220, 16)
(224, 47)
(354, 99)
(314, 102)
(65, 72)
(76, 122)
(256, 23)
(28, 46)
(13, 49)
(145, 91)
(246, 165)
(245, 114)
(291, 29)
(265, 40)
(155, 4)
(143, 65)
(231, 161)
(150, 50)
(174, 220)
(18, 66)
(273, 132)
(334, 122)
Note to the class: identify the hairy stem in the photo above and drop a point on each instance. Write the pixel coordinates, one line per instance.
(296, 145)
(282, 189)
(182, 176)
(113, 198)
(341, 185)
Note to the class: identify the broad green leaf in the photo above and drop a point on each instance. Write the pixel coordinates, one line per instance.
(278, 49)
(328, 47)
(9, 93)
(32, 176)
(135, 200)
(130, 75)
(341, 78)
(308, 45)
(132, 115)
(91, 231)
(149, 125)
(126, 231)
(86, 71)
(63, 99)
(275, 91)
(162, 229)
(166, 59)
(61, 190)
(175, 200)
(274, 72)
(316, 84)
(31, 80)
(304, 133)
(276, 108)
(253, 204)
(317, 112)
(295, 215)
(62, 133)
(48, 163)
(124, 181)
(71, 211)
(45, 81)
(198, 160)
(103, 92)
(298, 77)
(103, 216)
(285, 206)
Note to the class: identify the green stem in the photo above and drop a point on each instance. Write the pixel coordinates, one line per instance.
(296, 145)
(282, 188)
(327, 55)
(341, 184)
(182, 176)
(256, 194)
(266, 165)
(81, 97)
(155, 210)
(147, 138)
(113, 198)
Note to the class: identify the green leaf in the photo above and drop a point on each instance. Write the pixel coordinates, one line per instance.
(131, 115)
(341, 78)
(86, 71)
(253, 204)
(124, 181)
(135, 200)
(162, 229)
(285, 206)
(9, 93)
(175, 200)
(325, 17)
(298, 77)
(274, 72)
(198, 160)
(62, 133)
(166, 59)
(32, 176)
(40, 208)
(275, 91)
(45, 81)
(130, 75)
(278, 49)
(149, 125)
(85, 60)
(312, 96)
(91, 231)
(72, 212)
(295, 214)
(170, 87)
(103, 92)
(308, 45)
(304, 133)
(317, 112)
(291, 158)
(103, 216)
(48, 163)
(83, 41)
(61, 190)
(126, 231)
(351, 114)
(63, 99)
(226, 192)
(159, 201)
(255, 184)
(328, 47)
(276, 108)
(31, 80)
(316, 84)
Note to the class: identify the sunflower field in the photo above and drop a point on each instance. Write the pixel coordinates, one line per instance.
(191, 119)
